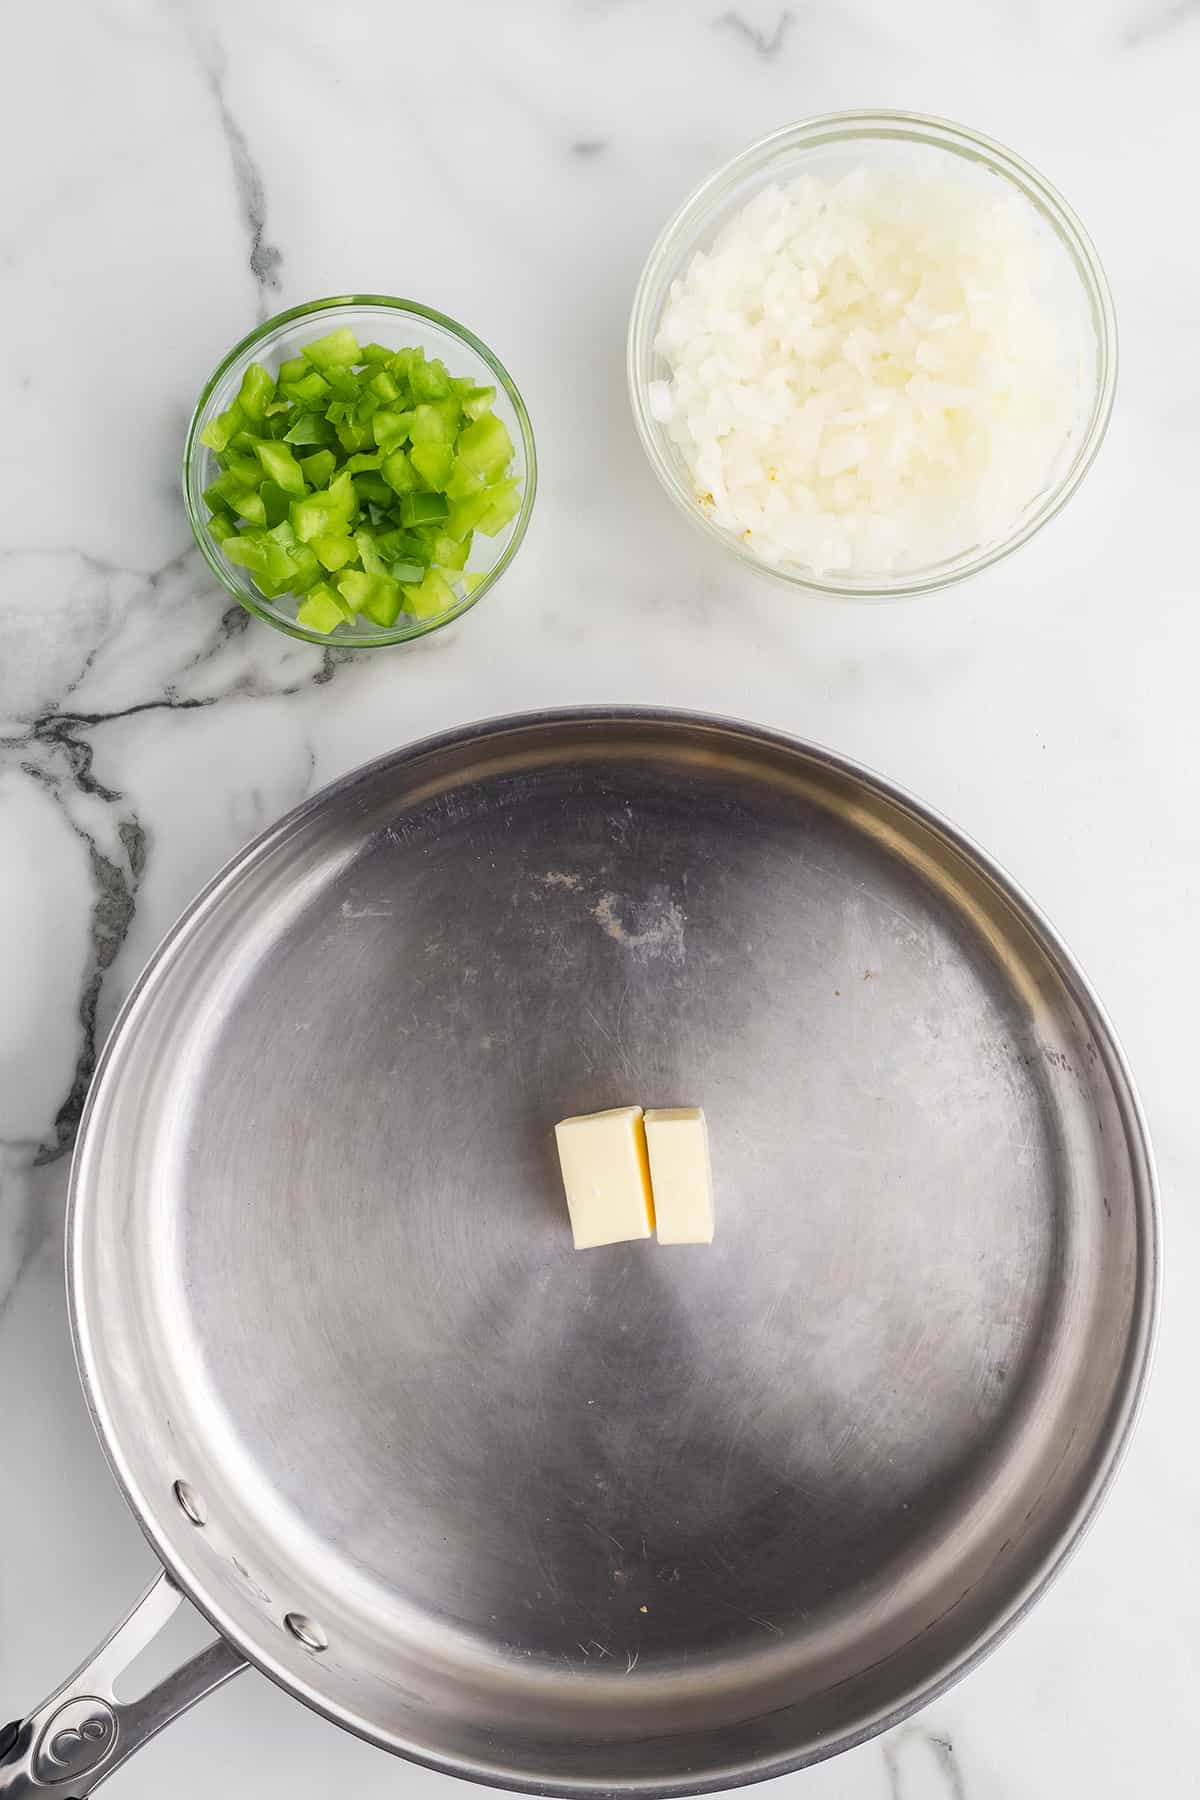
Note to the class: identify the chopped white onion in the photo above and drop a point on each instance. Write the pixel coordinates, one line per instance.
(866, 376)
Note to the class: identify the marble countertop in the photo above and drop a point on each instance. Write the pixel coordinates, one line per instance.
(165, 190)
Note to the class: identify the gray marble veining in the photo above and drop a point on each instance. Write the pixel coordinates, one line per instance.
(265, 258)
(766, 44)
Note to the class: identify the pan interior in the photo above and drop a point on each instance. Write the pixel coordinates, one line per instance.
(643, 1516)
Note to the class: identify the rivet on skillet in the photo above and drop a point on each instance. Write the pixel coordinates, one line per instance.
(190, 1503)
(306, 1631)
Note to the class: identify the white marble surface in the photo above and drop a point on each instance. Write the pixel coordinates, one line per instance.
(172, 172)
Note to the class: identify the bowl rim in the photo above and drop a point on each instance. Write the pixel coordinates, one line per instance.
(972, 146)
(243, 591)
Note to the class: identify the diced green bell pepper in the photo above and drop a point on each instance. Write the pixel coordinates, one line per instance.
(404, 463)
(429, 380)
(331, 510)
(289, 562)
(276, 500)
(281, 566)
(397, 471)
(352, 436)
(384, 605)
(306, 570)
(368, 554)
(242, 470)
(248, 551)
(216, 497)
(485, 447)
(405, 545)
(321, 609)
(465, 514)
(503, 501)
(464, 482)
(309, 428)
(355, 586)
(341, 495)
(432, 596)
(435, 422)
(378, 596)
(371, 486)
(449, 552)
(478, 400)
(344, 384)
(245, 503)
(390, 428)
(279, 464)
(433, 463)
(256, 392)
(336, 349)
(334, 549)
(219, 432)
(318, 468)
(310, 388)
(422, 509)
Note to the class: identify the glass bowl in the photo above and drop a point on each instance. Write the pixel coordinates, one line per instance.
(831, 146)
(397, 323)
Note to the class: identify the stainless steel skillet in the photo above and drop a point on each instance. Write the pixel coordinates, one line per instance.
(642, 1520)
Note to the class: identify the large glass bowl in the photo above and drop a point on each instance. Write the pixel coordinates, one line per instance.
(396, 323)
(835, 145)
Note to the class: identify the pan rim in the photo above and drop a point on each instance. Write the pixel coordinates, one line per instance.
(1129, 1395)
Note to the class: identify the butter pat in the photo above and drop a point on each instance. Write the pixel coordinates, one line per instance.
(607, 1176)
(677, 1141)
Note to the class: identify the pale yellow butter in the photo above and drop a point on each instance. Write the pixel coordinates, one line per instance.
(607, 1176)
(681, 1175)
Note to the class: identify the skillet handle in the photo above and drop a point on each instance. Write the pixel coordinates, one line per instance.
(82, 1733)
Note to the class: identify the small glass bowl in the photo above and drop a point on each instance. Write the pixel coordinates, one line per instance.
(831, 146)
(398, 324)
